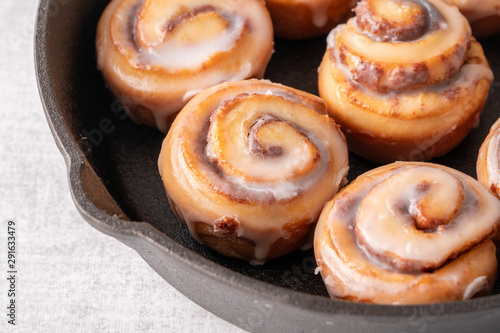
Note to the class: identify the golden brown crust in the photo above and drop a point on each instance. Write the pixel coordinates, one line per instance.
(307, 18)
(233, 197)
(223, 237)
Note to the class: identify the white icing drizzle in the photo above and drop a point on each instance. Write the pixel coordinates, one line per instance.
(476, 286)
(348, 275)
(319, 10)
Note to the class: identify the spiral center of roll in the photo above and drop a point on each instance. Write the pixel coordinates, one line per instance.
(263, 135)
(427, 215)
(401, 214)
(264, 144)
(393, 20)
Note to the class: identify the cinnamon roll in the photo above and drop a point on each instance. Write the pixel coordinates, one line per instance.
(299, 19)
(249, 165)
(409, 233)
(488, 160)
(484, 15)
(155, 55)
(404, 79)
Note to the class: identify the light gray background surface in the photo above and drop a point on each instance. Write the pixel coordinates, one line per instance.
(71, 277)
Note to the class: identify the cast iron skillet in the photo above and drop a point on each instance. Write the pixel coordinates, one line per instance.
(116, 187)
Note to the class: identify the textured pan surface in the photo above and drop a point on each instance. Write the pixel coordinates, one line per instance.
(116, 187)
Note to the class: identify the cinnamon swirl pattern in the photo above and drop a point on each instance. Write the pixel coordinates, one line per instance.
(484, 15)
(299, 19)
(409, 233)
(249, 165)
(488, 160)
(404, 79)
(155, 55)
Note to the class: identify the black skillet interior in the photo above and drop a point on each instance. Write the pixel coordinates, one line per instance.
(124, 155)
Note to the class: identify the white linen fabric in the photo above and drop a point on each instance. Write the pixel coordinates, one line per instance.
(70, 277)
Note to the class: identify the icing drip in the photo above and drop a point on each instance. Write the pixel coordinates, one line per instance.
(319, 11)
(397, 21)
(476, 286)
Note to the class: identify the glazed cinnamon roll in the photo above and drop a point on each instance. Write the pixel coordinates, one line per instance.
(299, 19)
(484, 15)
(488, 160)
(409, 233)
(404, 79)
(249, 165)
(155, 55)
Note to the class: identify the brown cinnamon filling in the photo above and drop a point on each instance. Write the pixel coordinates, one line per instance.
(396, 20)
(371, 75)
(226, 226)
